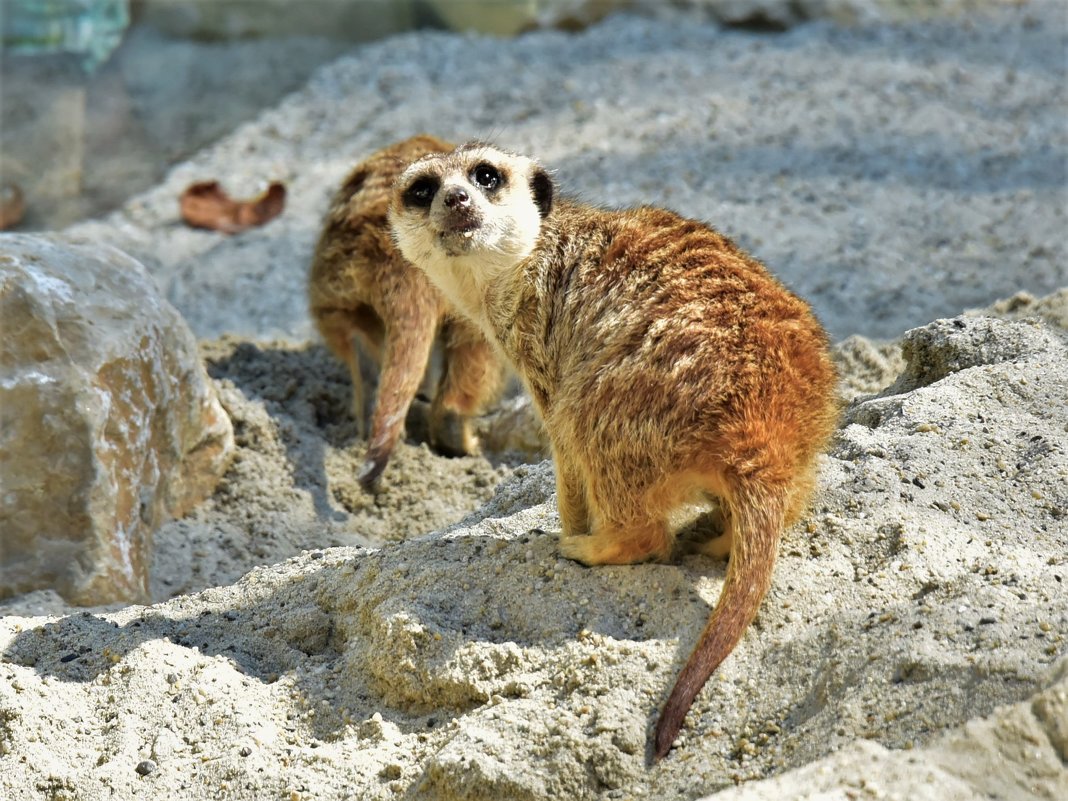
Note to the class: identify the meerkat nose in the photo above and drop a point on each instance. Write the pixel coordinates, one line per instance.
(456, 196)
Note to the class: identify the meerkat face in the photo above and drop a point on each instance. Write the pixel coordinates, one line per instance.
(470, 213)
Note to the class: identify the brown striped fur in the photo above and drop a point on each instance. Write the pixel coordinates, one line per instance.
(665, 362)
(361, 287)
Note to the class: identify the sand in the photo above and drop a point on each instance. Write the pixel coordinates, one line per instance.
(309, 641)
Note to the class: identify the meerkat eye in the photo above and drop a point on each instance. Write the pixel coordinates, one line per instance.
(421, 192)
(487, 176)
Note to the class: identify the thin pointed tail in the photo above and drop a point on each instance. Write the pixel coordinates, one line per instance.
(757, 521)
(404, 360)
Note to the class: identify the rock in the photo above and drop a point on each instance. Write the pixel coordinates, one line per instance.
(514, 427)
(510, 18)
(1015, 753)
(948, 346)
(108, 424)
(866, 367)
(1052, 309)
(926, 354)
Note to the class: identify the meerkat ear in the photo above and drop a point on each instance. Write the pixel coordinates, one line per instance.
(355, 181)
(541, 185)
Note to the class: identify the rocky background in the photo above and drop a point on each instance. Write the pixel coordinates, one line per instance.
(428, 642)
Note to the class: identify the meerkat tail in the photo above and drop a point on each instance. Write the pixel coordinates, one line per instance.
(757, 520)
(404, 356)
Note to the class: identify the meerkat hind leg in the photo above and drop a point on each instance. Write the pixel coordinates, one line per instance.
(471, 377)
(340, 329)
(718, 547)
(628, 529)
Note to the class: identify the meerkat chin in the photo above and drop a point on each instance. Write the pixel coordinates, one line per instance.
(666, 364)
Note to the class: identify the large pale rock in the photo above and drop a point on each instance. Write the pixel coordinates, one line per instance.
(108, 425)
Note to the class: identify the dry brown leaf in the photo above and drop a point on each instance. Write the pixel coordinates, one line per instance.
(205, 204)
(12, 206)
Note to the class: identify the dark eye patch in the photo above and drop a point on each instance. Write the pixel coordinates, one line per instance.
(487, 176)
(420, 193)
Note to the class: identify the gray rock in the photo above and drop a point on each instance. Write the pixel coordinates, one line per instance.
(506, 18)
(948, 346)
(1052, 309)
(866, 367)
(108, 425)
(1017, 752)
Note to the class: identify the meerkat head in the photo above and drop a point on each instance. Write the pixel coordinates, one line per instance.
(465, 216)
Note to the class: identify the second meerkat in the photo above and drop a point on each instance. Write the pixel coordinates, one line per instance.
(361, 287)
(666, 364)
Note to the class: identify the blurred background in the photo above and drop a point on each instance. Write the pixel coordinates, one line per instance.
(98, 98)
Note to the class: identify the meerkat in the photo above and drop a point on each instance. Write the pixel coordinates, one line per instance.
(361, 287)
(667, 366)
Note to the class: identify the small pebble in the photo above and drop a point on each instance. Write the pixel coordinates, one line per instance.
(146, 767)
(391, 771)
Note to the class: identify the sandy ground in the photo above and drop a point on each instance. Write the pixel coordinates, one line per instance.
(923, 592)
(429, 643)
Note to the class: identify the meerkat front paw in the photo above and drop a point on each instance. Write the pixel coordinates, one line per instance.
(578, 547)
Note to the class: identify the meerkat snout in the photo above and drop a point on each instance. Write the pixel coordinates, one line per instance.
(457, 197)
(449, 209)
(461, 216)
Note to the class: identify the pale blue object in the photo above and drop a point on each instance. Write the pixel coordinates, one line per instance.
(91, 29)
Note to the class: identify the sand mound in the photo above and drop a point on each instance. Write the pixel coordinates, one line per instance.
(925, 589)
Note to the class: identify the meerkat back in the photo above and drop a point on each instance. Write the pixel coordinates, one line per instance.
(361, 289)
